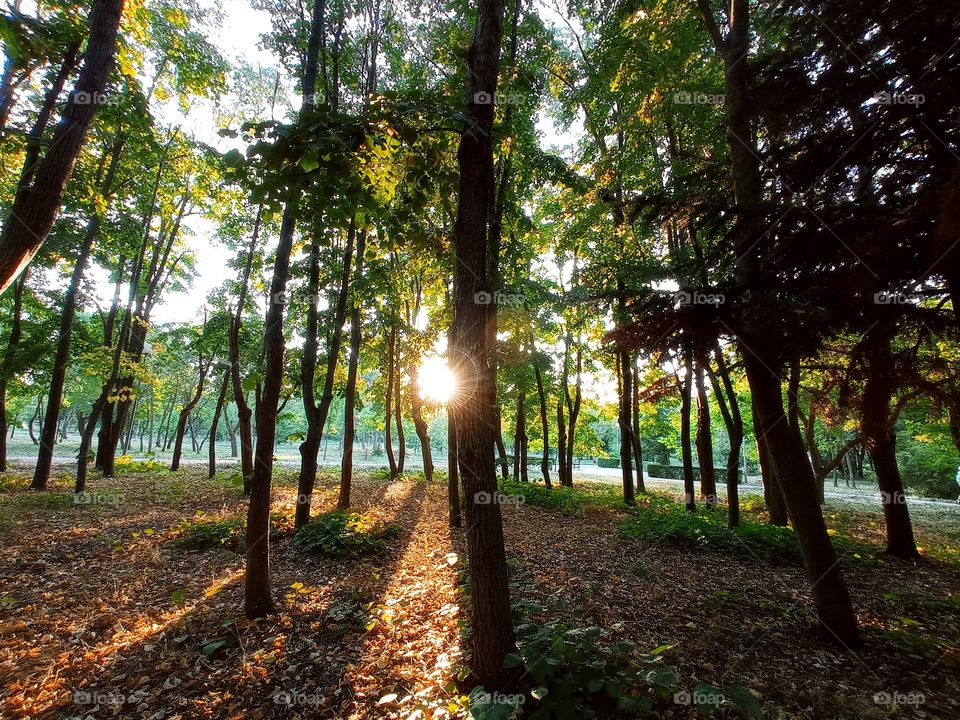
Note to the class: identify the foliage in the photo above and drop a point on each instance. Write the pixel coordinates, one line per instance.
(341, 534)
(564, 499)
(202, 534)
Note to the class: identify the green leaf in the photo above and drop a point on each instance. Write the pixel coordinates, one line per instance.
(211, 647)
(177, 596)
(745, 700)
(512, 660)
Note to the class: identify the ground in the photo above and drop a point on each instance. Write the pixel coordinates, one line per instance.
(104, 614)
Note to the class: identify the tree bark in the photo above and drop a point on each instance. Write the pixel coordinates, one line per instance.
(732, 419)
(635, 438)
(544, 426)
(625, 421)
(686, 395)
(185, 414)
(474, 330)
(350, 404)
(704, 440)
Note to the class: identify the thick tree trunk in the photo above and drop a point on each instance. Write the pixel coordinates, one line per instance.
(474, 330)
(879, 431)
(563, 473)
(34, 210)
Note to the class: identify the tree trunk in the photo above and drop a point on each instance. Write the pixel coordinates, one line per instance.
(704, 441)
(416, 411)
(734, 424)
(635, 438)
(453, 476)
(544, 427)
(185, 414)
(625, 421)
(563, 473)
(350, 404)
(388, 403)
(36, 208)
(398, 416)
(474, 331)
(686, 393)
(878, 425)
(501, 446)
(317, 419)
(214, 424)
(6, 369)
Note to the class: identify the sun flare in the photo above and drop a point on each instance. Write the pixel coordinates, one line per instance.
(436, 382)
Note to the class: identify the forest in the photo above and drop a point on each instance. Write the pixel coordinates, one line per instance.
(493, 359)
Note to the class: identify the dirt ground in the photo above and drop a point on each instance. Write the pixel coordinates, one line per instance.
(103, 615)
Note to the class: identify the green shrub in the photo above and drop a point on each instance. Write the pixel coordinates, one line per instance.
(564, 499)
(339, 534)
(200, 534)
(126, 464)
(608, 462)
(659, 520)
(577, 672)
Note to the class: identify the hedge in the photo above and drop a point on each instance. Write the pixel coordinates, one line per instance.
(675, 472)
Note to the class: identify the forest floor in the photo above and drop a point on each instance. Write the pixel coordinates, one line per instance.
(104, 613)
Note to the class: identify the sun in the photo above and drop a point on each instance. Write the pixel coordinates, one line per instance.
(436, 382)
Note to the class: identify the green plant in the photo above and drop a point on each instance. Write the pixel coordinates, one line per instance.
(339, 534)
(608, 462)
(564, 499)
(577, 672)
(200, 534)
(126, 464)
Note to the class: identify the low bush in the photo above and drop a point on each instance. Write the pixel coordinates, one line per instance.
(340, 534)
(564, 499)
(201, 534)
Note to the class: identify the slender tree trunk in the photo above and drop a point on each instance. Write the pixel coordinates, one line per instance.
(308, 451)
(563, 472)
(388, 403)
(733, 421)
(214, 424)
(704, 441)
(416, 411)
(453, 476)
(6, 369)
(185, 414)
(501, 446)
(686, 393)
(474, 330)
(35, 209)
(350, 404)
(637, 444)
(625, 421)
(398, 416)
(544, 426)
